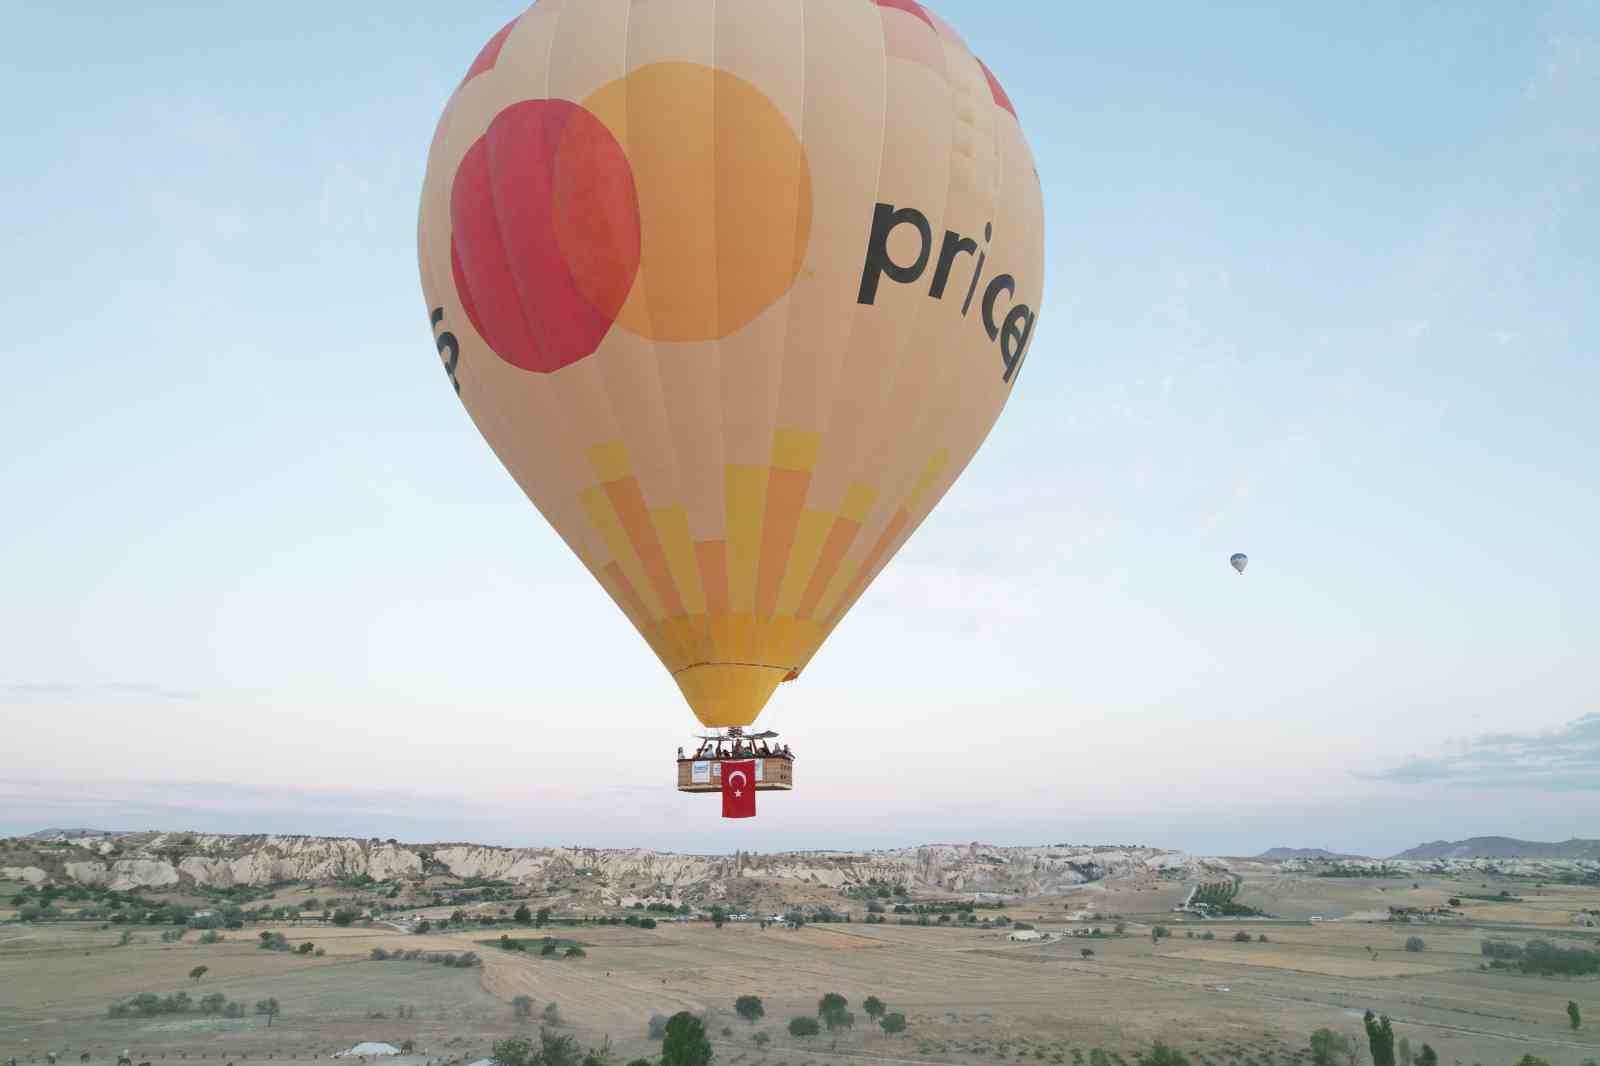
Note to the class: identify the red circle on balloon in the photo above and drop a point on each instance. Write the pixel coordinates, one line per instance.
(544, 245)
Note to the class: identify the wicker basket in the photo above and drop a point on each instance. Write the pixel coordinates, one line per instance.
(772, 774)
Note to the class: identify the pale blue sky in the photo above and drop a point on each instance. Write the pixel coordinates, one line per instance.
(1321, 288)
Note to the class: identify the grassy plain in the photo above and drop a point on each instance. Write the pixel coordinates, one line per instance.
(970, 995)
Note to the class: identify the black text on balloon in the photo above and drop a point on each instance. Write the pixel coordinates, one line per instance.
(1012, 331)
(446, 342)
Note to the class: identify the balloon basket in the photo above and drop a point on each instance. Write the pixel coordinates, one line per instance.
(773, 774)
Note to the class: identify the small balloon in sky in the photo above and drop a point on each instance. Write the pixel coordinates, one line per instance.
(1239, 561)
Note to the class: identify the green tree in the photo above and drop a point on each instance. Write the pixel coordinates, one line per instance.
(718, 916)
(552, 1013)
(1327, 1047)
(542, 918)
(200, 971)
(522, 1006)
(1098, 1057)
(1380, 1038)
(1573, 1014)
(1427, 1056)
(557, 1050)
(516, 1051)
(1415, 943)
(762, 1038)
(1158, 932)
(522, 915)
(1532, 1060)
(573, 952)
(873, 1006)
(213, 1003)
(685, 1043)
(804, 1027)
(750, 1008)
(345, 915)
(270, 1008)
(893, 1023)
(1087, 953)
(831, 1008)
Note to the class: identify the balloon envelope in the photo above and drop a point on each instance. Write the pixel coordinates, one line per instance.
(734, 291)
(1239, 561)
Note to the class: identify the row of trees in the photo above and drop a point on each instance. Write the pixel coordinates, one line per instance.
(149, 1005)
(1542, 957)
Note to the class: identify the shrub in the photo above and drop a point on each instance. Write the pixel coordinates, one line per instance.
(270, 1008)
(1120, 927)
(1262, 939)
(804, 1027)
(210, 936)
(522, 914)
(1162, 1055)
(1414, 943)
(1208, 935)
(1087, 953)
(750, 1008)
(1240, 937)
(345, 915)
(213, 1003)
(1573, 1014)
(574, 952)
(273, 942)
(647, 923)
(893, 1023)
(1160, 931)
(522, 1006)
(378, 954)
(234, 1009)
(307, 948)
(1328, 1048)
(548, 948)
(685, 1043)
(762, 1039)
(198, 972)
(552, 1014)
(873, 1006)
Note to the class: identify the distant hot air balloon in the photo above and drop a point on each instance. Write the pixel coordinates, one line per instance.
(734, 291)
(1239, 561)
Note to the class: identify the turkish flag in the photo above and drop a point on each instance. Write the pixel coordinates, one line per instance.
(739, 789)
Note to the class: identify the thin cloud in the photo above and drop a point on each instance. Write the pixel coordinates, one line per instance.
(1560, 760)
(73, 690)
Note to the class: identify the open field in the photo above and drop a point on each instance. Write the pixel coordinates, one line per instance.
(970, 995)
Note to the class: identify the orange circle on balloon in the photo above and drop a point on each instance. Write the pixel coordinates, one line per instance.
(724, 197)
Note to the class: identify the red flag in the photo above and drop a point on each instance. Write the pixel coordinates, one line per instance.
(739, 789)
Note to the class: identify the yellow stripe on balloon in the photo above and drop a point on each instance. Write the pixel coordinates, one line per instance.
(603, 517)
(809, 537)
(672, 529)
(746, 504)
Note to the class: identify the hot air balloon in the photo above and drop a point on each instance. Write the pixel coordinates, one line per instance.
(734, 291)
(1239, 560)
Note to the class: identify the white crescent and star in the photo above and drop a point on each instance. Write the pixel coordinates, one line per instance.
(738, 790)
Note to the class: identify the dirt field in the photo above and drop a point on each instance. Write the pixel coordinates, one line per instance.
(969, 995)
